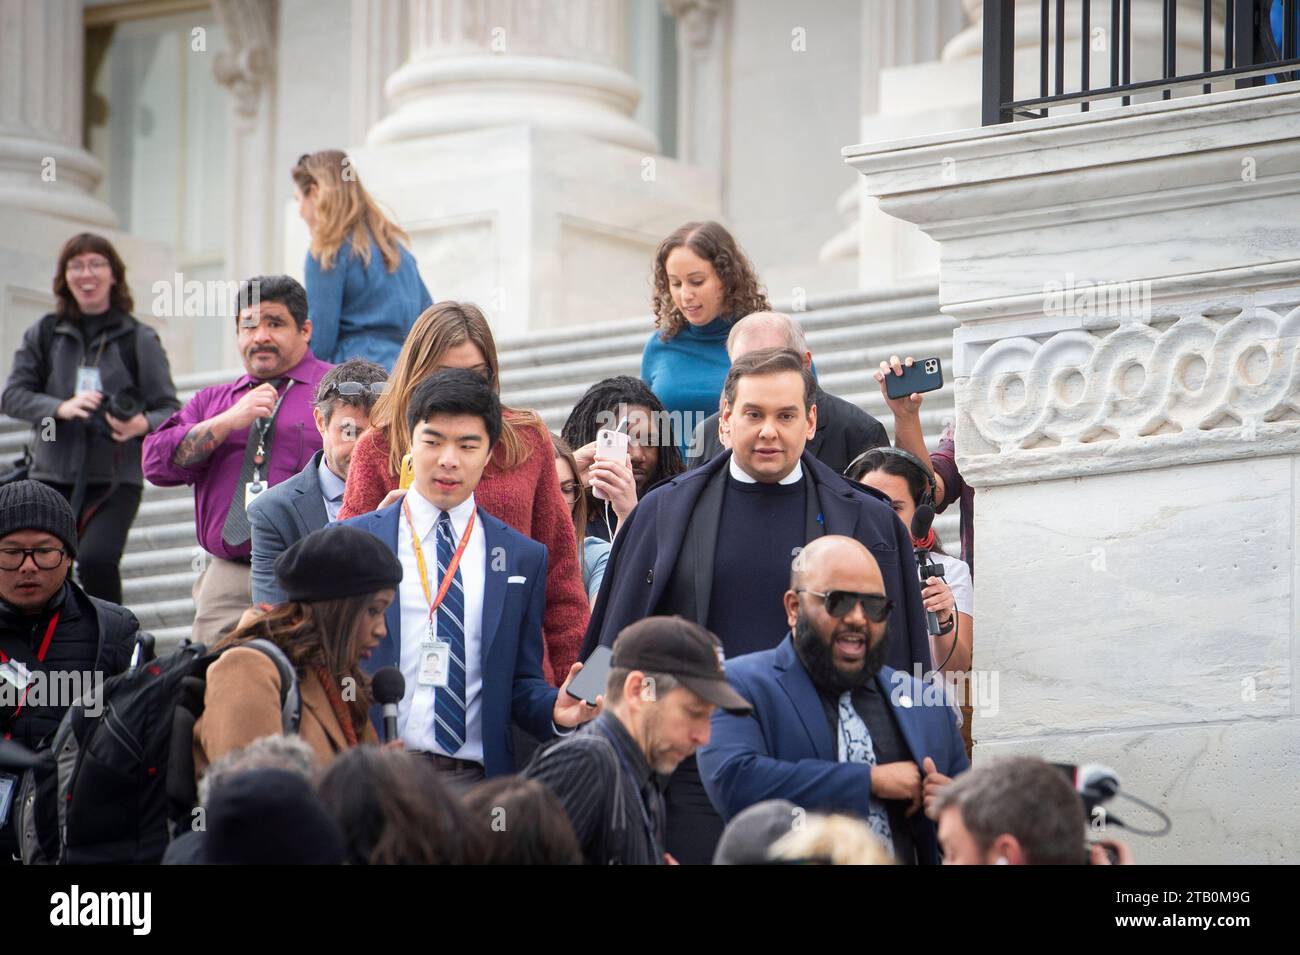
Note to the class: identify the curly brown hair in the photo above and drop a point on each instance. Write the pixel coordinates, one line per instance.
(710, 241)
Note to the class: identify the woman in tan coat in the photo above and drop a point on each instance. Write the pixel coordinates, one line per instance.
(339, 582)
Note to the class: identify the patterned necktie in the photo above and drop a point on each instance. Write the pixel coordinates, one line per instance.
(237, 531)
(449, 701)
(855, 747)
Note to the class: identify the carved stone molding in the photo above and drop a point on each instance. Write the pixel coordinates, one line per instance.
(1204, 381)
(699, 17)
(248, 61)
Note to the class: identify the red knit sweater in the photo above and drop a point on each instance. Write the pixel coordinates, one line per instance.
(527, 498)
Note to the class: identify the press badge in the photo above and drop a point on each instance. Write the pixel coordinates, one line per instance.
(251, 490)
(89, 379)
(435, 660)
(15, 674)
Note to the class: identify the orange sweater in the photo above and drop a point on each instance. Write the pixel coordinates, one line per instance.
(527, 498)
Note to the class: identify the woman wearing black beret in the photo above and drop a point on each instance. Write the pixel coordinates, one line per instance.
(339, 581)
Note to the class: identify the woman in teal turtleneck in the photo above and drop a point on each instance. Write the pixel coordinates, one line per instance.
(703, 283)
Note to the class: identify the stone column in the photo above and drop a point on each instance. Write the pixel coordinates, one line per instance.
(47, 178)
(43, 166)
(703, 67)
(511, 157)
(1127, 374)
(246, 67)
(380, 37)
(479, 64)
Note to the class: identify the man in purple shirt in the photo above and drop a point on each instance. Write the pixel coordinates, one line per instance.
(233, 441)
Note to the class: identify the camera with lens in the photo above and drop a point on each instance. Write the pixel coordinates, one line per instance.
(125, 404)
(122, 405)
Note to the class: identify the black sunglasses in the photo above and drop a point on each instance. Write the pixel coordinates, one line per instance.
(840, 603)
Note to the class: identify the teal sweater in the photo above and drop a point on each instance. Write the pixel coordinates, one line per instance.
(687, 373)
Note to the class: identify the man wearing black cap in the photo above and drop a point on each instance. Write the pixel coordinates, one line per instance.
(50, 629)
(665, 681)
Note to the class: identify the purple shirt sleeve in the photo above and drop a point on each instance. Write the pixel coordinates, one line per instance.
(944, 462)
(160, 444)
(295, 439)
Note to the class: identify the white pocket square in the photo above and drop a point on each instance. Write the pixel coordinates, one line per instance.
(517, 580)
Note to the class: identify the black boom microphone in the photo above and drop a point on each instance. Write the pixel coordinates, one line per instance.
(388, 686)
(922, 542)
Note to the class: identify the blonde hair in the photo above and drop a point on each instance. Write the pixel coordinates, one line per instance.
(441, 327)
(345, 211)
(833, 840)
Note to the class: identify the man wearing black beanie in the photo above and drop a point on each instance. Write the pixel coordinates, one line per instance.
(50, 629)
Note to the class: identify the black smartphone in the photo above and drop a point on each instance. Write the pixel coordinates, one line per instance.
(926, 374)
(590, 681)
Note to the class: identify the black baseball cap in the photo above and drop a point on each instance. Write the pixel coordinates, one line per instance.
(681, 649)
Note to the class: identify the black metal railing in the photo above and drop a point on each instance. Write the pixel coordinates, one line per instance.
(1251, 53)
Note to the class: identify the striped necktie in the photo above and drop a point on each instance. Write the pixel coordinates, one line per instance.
(449, 701)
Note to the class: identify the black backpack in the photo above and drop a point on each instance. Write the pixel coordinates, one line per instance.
(121, 782)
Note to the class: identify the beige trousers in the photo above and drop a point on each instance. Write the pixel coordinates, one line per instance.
(221, 595)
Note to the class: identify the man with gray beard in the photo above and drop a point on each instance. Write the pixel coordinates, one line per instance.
(834, 729)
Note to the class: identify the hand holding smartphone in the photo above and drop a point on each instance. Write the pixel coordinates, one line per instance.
(611, 446)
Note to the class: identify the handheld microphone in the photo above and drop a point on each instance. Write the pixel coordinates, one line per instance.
(922, 542)
(922, 531)
(388, 686)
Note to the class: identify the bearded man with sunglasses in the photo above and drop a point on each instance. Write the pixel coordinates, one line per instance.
(313, 497)
(833, 728)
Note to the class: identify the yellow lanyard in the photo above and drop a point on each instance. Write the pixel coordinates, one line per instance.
(436, 602)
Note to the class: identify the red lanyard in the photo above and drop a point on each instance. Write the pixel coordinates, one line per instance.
(40, 655)
(436, 602)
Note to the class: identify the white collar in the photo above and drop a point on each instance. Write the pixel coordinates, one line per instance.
(738, 473)
(424, 513)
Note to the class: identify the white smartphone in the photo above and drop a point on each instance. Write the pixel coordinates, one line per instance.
(611, 446)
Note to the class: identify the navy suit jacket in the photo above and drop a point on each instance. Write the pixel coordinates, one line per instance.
(786, 749)
(511, 644)
(662, 560)
(279, 517)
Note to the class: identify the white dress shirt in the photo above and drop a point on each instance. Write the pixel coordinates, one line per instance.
(415, 712)
(331, 489)
(739, 473)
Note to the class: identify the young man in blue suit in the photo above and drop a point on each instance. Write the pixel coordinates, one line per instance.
(833, 729)
(466, 629)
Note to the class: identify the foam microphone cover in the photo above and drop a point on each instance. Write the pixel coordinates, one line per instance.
(921, 521)
(388, 685)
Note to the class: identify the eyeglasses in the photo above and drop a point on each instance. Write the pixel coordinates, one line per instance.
(840, 603)
(94, 265)
(45, 558)
(353, 389)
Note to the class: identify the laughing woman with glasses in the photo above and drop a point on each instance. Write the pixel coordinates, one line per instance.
(364, 289)
(93, 381)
